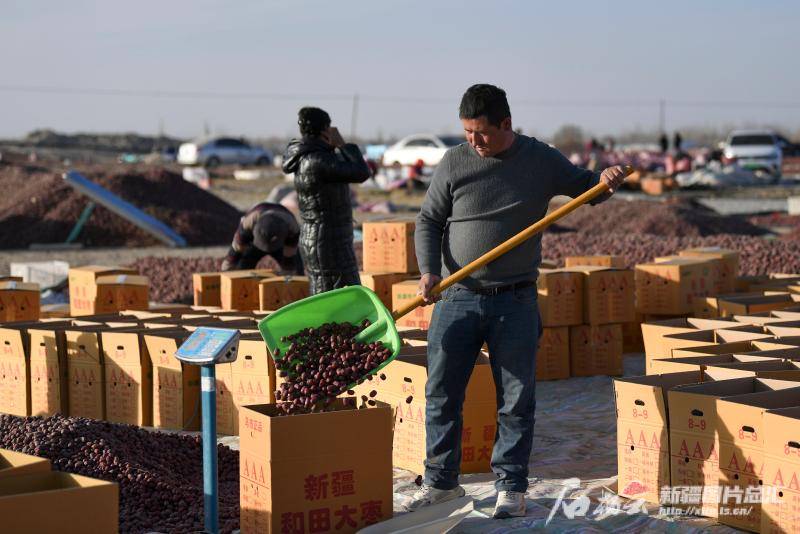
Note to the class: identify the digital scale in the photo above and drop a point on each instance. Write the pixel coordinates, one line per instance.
(207, 347)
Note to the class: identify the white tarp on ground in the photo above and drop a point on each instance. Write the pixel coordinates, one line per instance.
(717, 175)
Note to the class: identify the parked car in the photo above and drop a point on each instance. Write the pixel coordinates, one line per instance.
(219, 150)
(758, 150)
(426, 147)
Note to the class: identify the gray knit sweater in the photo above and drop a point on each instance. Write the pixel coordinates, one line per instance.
(475, 203)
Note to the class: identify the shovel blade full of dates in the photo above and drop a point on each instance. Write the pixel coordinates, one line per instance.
(350, 324)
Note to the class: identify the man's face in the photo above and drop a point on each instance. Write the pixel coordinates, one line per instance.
(487, 139)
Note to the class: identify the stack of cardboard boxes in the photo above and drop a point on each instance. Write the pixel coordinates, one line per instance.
(390, 267)
(255, 289)
(583, 308)
(712, 428)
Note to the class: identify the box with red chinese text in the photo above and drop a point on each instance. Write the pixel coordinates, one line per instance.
(694, 436)
(319, 472)
(401, 384)
(642, 432)
(780, 494)
(403, 293)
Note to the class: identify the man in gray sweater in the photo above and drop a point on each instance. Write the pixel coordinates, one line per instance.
(482, 193)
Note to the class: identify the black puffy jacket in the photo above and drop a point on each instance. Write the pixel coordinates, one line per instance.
(322, 176)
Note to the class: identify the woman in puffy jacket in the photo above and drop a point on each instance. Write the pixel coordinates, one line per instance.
(324, 166)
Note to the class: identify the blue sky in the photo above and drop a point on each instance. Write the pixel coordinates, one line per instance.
(244, 67)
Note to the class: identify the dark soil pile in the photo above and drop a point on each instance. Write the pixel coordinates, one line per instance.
(39, 207)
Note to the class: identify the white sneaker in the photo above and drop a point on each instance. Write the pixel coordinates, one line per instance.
(427, 495)
(509, 504)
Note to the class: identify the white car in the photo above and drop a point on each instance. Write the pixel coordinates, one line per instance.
(758, 150)
(222, 150)
(426, 147)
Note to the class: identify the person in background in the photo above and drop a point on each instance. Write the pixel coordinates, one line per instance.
(323, 166)
(677, 142)
(663, 142)
(265, 229)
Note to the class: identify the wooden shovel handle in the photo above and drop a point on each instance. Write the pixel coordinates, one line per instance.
(504, 247)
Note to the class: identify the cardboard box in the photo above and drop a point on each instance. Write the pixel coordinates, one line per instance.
(617, 262)
(698, 338)
(16, 463)
(176, 385)
(57, 311)
(608, 295)
(227, 413)
(694, 439)
(253, 375)
(19, 302)
(37, 503)
(291, 477)
(239, 289)
(404, 388)
(669, 287)
(49, 379)
(129, 377)
(732, 347)
(741, 449)
(747, 305)
(642, 432)
(560, 297)
(552, 358)
(595, 350)
(206, 289)
(784, 329)
(389, 247)
(85, 372)
(381, 284)
(15, 392)
(403, 293)
(778, 370)
(83, 290)
(744, 284)
(780, 512)
(278, 291)
(727, 269)
(700, 363)
(653, 333)
(707, 307)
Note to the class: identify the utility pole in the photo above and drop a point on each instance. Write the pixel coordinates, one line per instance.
(662, 105)
(354, 118)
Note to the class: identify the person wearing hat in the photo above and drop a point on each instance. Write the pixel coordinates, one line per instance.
(266, 229)
(324, 166)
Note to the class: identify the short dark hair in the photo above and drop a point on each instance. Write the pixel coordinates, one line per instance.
(313, 121)
(486, 100)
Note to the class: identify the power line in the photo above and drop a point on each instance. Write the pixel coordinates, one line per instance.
(542, 102)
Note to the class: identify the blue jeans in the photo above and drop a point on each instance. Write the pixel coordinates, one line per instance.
(462, 321)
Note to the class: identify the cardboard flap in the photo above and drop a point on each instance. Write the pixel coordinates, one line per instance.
(123, 280)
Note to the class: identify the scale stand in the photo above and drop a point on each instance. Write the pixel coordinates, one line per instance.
(207, 347)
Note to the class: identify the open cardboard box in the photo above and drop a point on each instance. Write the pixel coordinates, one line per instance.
(16, 463)
(39, 503)
(694, 437)
(653, 333)
(733, 347)
(643, 432)
(741, 433)
(779, 511)
(699, 363)
(292, 470)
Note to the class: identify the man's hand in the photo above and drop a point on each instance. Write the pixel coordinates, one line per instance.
(426, 283)
(333, 137)
(613, 177)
